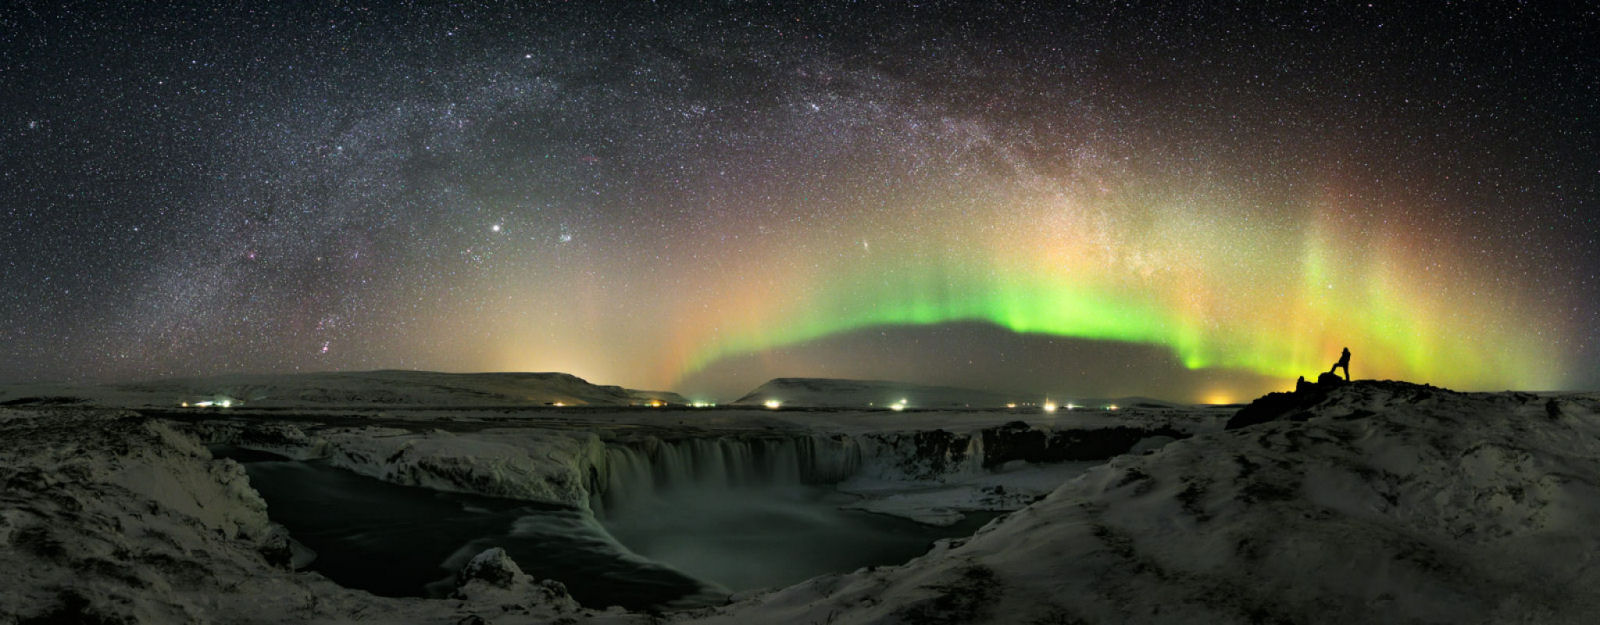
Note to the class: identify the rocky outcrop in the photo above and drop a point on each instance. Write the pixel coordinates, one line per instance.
(1384, 502)
(1292, 405)
(929, 455)
(1374, 502)
(548, 466)
(493, 567)
(1019, 441)
(493, 577)
(110, 517)
(535, 465)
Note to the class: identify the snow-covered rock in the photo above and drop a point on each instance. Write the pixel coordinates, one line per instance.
(935, 476)
(543, 465)
(492, 576)
(549, 466)
(493, 567)
(109, 517)
(1388, 502)
(1380, 502)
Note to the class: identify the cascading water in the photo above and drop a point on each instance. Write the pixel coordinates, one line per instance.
(753, 511)
(673, 521)
(644, 469)
(397, 540)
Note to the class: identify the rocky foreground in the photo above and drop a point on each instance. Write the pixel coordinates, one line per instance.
(1378, 502)
(109, 517)
(1372, 502)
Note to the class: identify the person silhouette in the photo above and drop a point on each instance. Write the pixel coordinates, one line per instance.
(1344, 361)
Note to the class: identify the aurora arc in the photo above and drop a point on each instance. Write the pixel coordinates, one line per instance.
(1278, 302)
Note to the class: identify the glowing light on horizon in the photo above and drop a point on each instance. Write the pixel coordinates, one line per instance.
(772, 404)
(1049, 406)
(991, 213)
(1192, 274)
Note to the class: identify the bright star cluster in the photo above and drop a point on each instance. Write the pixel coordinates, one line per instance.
(1190, 202)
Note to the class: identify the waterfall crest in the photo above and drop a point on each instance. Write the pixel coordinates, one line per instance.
(645, 467)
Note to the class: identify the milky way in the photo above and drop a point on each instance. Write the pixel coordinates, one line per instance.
(1189, 203)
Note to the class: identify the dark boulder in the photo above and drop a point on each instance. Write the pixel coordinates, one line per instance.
(1292, 406)
(493, 567)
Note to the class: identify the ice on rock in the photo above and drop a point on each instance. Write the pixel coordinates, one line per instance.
(493, 577)
(548, 466)
(106, 516)
(493, 566)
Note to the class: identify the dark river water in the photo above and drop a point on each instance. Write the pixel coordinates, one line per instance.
(682, 548)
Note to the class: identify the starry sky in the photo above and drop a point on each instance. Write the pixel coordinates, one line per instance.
(1193, 203)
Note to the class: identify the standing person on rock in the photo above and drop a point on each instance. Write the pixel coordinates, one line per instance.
(1344, 362)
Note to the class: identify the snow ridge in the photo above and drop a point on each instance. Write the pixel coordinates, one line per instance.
(110, 517)
(1384, 502)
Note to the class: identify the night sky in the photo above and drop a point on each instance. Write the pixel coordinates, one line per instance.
(1196, 203)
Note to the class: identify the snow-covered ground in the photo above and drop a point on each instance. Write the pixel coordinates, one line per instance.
(1391, 503)
(109, 517)
(341, 390)
(1387, 502)
(946, 501)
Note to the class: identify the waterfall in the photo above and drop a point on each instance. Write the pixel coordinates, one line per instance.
(645, 467)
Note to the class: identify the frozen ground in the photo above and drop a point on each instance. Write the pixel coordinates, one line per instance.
(343, 390)
(1388, 503)
(109, 517)
(1382, 502)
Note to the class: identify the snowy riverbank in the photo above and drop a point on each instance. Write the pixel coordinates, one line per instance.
(1384, 502)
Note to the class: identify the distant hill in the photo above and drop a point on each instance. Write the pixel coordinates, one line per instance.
(837, 393)
(352, 389)
(831, 393)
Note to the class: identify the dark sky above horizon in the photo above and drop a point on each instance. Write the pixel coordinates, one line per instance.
(1195, 203)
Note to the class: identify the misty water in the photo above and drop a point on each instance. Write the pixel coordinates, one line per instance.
(751, 537)
(683, 547)
(398, 541)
